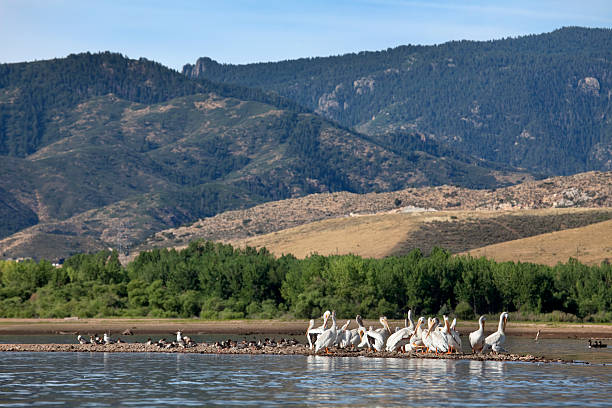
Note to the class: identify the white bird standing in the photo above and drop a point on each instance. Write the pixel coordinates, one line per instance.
(353, 335)
(343, 337)
(427, 335)
(454, 341)
(477, 337)
(496, 340)
(328, 337)
(313, 332)
(409, 318)
(361, 331)
(377, 338)
(402, 336)
(440, 338)
(416, 341)
(107, 339)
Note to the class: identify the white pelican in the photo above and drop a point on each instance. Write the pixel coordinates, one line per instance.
(374, 339)
(401, 337)
(416, 341)
(377, 338)
(477, 337)
(352, 336)
(440, 338)
(385, 330)
(426, 336)
(454, 341)
(409, 318)
(328, 337)
(496, 340)
(312, 333)
(361, 331)
(344, 335)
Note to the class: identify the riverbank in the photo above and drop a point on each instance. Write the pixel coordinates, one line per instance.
(248, 327)
(295, 349)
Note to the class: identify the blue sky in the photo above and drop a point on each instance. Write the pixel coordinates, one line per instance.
(178, 32)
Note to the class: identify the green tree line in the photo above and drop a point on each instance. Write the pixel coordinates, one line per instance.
(216, 281)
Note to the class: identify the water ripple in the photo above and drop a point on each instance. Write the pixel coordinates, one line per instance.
(158, 379)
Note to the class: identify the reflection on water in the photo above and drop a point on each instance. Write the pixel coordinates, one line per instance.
(161, 379)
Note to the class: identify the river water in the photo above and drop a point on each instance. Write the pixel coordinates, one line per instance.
(164, 379)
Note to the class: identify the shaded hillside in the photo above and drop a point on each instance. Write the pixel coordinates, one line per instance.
(475, 232)
(591, 244)
(541, 102)
(397, 234)
(111, 169)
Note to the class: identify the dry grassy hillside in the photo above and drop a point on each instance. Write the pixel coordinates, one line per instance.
(590, 245)
(585, 190)
(395, 234)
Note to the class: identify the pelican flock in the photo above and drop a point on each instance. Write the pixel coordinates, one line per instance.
(437, 337)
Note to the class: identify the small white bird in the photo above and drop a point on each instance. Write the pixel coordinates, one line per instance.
(496, 340)
(477, 337)
(454, 340)
(344, 335)
(361, 331)
(107, 339)
(427, 335)
(377, 338)
(353, 335)
(328, 337)
(401, 337)
(441, 338)
(416, 341)
(81, 339)
(313, 332)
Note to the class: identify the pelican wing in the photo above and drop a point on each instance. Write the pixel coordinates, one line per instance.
(326, 339)
(476, 339)
(440, 341)
(494, 338)
(455, 340)
(399, 339)
(495, 341)
(375, 339)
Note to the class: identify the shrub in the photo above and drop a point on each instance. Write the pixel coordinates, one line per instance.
(464, 311)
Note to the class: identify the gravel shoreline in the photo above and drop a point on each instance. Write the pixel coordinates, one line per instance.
(252, 350)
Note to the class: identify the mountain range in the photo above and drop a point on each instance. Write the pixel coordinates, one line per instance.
(99, 150)
(539, 102)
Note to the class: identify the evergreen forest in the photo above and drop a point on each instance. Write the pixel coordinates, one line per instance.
(540, 102)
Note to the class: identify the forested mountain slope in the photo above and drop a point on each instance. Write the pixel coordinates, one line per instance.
(541, 102)
(113, 150)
